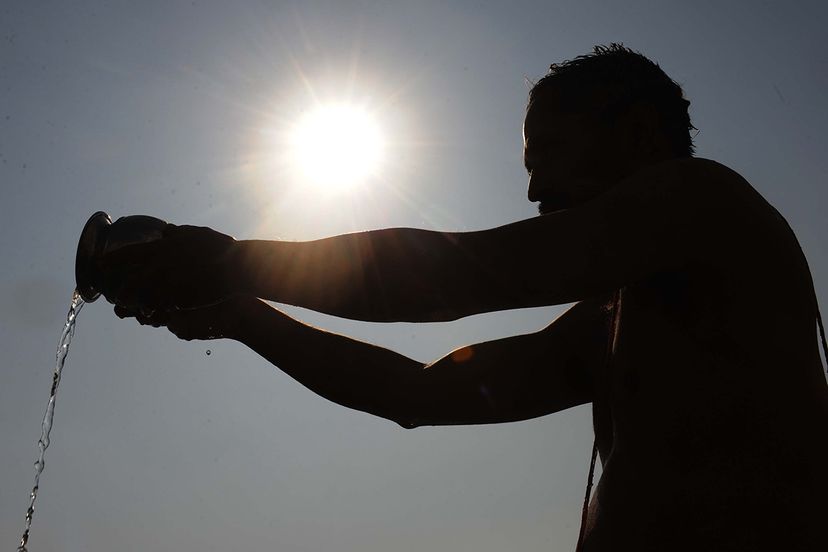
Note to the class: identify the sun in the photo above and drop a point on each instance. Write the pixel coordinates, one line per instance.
(336, 146)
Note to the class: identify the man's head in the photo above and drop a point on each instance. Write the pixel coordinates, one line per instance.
(593, 120)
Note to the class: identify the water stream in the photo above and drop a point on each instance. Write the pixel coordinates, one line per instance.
(48, 417)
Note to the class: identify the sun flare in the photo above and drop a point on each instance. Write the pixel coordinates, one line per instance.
(336, 146)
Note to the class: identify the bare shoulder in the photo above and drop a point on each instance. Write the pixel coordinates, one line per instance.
(760, 246)
(749, 209)
(724, 196)
(700, 204)
(703, 175)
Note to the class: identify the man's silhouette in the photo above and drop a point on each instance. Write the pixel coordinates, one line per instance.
(693, 334)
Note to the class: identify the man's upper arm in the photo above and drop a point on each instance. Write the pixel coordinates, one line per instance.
(667, 217)
(515, 378)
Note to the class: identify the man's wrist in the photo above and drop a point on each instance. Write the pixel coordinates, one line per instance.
(237, 271)
(243, 318)
(259, 325)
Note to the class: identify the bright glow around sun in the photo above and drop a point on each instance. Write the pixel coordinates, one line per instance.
(336, 146)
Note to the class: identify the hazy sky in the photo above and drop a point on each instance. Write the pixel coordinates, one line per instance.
(169, 109)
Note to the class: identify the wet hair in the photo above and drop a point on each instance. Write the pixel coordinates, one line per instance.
(612, 79)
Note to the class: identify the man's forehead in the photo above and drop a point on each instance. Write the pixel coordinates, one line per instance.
(531, 127)
(549, 116)
(540, 121)
(543, 113)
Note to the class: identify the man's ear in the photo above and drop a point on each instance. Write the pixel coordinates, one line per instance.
(644, 130)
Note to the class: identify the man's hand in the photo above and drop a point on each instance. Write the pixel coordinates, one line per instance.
(191, 266)
(219, 321)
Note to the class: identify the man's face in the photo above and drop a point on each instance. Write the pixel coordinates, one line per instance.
(570, 158)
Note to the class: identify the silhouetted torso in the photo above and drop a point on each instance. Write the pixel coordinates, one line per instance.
(712, 416)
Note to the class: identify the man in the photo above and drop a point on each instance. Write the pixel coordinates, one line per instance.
(692, 336)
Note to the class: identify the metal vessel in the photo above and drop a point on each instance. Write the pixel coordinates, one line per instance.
(101, 236)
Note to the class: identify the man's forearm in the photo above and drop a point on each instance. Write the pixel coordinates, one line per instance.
(351, 373)
(398, 274)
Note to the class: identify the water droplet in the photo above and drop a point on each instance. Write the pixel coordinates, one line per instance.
(209, 352)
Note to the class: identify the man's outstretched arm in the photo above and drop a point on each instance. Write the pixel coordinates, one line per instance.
(498, 381)
(663, 218)
(666, 217)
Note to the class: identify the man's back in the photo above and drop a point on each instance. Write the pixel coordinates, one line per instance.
(712, 414)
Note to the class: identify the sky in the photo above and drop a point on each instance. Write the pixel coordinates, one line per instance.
(170, 109)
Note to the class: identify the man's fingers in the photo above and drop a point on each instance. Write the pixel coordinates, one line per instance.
(178, 270)
(139, 288)
(155, 319)
(202, 323)
(123, 312)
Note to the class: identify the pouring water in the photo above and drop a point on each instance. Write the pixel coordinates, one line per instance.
(99, 237)
(48, 418)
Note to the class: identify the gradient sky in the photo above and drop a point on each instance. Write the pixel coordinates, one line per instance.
(165, 108)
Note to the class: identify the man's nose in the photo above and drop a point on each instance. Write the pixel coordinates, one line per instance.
(535, 187)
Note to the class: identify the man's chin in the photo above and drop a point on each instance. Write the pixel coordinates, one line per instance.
(546, 207)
